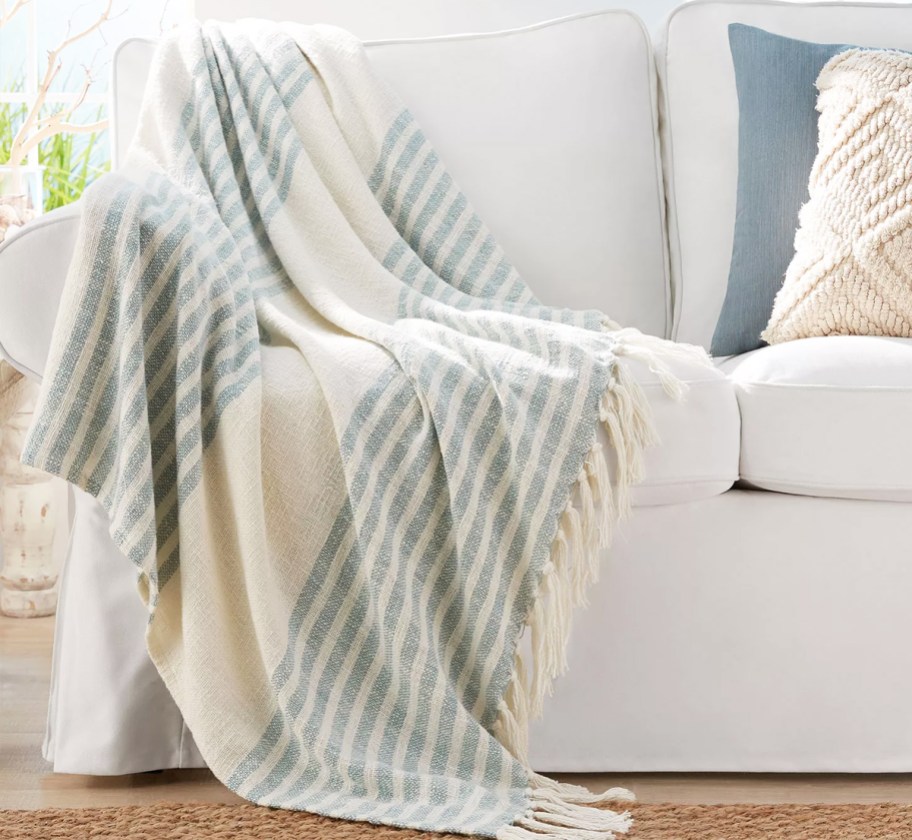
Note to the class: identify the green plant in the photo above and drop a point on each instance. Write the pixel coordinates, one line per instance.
(69, 167)
(11, 115)
(42, 122)
(70, 161)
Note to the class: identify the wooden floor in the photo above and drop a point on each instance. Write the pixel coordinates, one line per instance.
(26, 780)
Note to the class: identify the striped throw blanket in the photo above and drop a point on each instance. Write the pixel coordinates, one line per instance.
(350, 454)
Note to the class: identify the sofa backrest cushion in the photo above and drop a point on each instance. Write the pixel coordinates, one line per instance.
(699, 106)
(551, 130)
(371, 20)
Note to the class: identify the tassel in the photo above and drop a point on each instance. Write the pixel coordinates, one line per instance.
(586, 525)
(551, 814)
(584, 528)
(654, 352)
(574, 793)
(512, 725)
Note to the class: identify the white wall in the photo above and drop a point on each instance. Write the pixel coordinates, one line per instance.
(652, 11)
(370, 19)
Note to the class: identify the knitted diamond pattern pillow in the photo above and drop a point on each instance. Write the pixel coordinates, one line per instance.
(852, 269)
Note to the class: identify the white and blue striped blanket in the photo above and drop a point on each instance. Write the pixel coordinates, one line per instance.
(350, 454)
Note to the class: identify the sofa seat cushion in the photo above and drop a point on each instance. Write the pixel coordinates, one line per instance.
(699, 437)
(827, 417)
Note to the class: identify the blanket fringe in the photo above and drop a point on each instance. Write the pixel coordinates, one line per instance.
(554, 812)
(578, 794)
(585, 527)
(624, 409)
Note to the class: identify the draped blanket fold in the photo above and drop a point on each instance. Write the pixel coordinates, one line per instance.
(350, 454)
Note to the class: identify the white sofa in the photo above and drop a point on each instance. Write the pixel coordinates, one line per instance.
(754, 612)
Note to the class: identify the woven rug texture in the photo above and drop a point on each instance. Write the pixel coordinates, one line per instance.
(883, 821)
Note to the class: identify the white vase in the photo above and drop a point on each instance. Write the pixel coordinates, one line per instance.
(27, 523)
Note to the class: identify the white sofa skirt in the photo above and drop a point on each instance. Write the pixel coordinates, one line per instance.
(751, 631)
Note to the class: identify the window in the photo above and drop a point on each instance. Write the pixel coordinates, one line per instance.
(55, 61)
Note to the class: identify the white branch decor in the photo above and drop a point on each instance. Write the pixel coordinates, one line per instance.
(7, 14)
(36, 128)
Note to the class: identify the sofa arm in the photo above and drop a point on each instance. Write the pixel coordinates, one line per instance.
(33, 267)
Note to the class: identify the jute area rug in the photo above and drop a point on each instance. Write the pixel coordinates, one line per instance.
(653, 822)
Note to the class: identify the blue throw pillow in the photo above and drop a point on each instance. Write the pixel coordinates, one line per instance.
(777, 144)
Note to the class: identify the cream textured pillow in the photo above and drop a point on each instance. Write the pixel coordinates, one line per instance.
(852, 269)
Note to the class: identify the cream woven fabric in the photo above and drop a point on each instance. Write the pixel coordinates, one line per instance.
(348, 451)
(852, 270)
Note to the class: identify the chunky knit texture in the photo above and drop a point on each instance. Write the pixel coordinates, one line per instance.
(852, 270)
